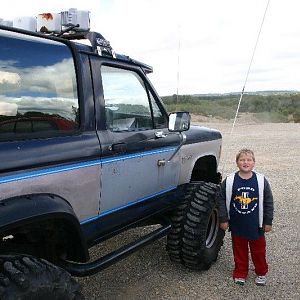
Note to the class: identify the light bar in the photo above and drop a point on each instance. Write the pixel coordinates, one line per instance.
(53, 22)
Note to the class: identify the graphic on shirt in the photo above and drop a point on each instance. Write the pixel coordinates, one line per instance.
(244, 200)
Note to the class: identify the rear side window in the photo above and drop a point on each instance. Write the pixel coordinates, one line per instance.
(38, 92)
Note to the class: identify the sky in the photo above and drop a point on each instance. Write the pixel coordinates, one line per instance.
(195, 46)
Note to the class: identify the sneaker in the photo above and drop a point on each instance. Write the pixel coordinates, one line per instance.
(261, 280)
(240, 281)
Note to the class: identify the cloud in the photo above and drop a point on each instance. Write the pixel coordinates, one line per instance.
(8, 109)
(51, 79)
(10, 106)
(49, 89)
(9, 78)
(217, 38)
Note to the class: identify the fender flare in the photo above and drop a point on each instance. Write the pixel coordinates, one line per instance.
(26, 209)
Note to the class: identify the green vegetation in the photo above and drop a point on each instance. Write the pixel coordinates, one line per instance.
(268, 106)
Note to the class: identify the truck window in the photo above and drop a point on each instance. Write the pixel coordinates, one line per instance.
(127, 103)
(37, 87)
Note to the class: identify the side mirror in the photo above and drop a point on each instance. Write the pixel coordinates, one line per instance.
(179, 121)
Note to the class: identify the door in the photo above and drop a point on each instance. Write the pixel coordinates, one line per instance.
(135, 141)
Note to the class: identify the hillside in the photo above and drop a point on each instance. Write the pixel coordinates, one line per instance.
(271, 106)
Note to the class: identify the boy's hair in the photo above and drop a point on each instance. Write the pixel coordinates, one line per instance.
(244, 151)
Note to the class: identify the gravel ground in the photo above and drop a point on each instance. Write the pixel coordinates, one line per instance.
(149, 274)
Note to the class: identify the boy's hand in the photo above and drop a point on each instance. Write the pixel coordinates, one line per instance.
(267, 228)
(224, 226)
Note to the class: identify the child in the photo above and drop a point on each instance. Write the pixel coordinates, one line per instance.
(246, 208)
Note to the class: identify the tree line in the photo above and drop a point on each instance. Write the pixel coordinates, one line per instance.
(272, 107)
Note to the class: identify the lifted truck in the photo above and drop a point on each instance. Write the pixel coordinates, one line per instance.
(88, 151)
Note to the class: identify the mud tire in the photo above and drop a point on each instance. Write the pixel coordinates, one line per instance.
(196, 238)
(26, 277)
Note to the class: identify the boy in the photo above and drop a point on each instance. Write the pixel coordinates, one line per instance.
(246, 208)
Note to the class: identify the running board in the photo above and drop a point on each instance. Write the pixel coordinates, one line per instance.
(90, 268)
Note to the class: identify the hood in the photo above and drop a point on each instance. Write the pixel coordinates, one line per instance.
(198, 134)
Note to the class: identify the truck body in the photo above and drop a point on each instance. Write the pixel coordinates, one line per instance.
(87, 151)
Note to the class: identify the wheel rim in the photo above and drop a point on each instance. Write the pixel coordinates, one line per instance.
(212, 229)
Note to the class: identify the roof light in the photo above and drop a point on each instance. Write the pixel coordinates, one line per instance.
(77, 20)
(6, 22)
(73, 17)
(49, 22)
(27, 23)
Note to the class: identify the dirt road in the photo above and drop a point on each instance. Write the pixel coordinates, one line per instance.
(149, 274)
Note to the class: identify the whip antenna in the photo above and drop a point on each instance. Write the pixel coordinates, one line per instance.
(246, 79)
(178, 67)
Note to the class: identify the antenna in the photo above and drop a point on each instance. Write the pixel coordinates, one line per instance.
(246, 79)
(178, 66)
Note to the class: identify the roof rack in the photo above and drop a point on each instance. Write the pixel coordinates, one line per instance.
(99, 44)
(72, 24)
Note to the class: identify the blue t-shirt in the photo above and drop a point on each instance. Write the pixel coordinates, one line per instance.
(244, 216)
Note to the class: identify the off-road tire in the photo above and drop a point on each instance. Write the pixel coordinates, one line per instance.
(195, 239)
(26, 277)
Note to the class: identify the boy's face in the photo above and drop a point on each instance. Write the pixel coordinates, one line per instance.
(245, 163)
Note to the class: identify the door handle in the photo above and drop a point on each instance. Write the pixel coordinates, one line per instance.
(161, 162)
(160, 134)
(118, 148)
